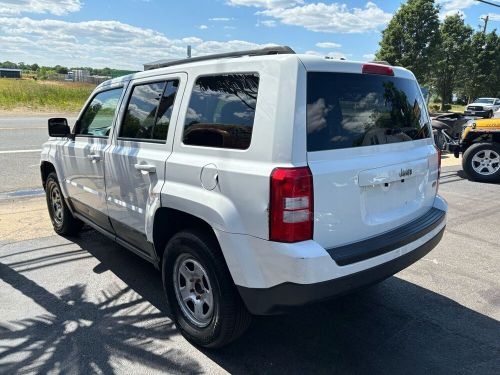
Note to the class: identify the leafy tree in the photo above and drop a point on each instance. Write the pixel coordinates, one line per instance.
(450, 62)
(484, 66)
(411, 38)
(9, 65)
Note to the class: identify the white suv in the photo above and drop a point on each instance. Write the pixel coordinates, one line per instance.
(255, 181)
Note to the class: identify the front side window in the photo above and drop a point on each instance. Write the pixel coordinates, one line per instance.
(221, 111)
(148, 112)
(97, 119)
(353, 110)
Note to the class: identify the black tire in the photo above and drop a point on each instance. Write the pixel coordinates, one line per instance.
(62, 219)
(229, 317)
(490, 114)
(468, 162)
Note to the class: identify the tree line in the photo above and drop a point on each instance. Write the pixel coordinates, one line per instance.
(446, 55)
(44, 72)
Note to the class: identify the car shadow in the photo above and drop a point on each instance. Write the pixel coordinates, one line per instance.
(395, 327)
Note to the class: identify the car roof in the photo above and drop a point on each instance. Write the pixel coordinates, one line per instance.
(310, 62)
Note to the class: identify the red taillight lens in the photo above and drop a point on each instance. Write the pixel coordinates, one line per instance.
(377, 69)
(439, 165)
(291, 205)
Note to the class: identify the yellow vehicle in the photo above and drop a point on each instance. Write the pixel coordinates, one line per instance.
(480, 148)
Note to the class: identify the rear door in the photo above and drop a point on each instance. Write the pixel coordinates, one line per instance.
(135, 162)
(370, 151)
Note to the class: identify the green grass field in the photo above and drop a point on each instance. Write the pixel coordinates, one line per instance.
(43, 95)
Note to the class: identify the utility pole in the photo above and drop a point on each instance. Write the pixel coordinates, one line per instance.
(485, 19)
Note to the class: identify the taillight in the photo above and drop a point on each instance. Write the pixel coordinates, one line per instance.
(291, 205)
(377, 69)
(439, 166)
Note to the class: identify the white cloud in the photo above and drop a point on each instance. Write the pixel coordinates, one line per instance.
(203, 27)
(266, 3)
(369, 56)
(328, 45)
(266, 23)
(452, 7)
(492, 16)
(56, 7)
(98, 43)
(220, 19)
(331, 18)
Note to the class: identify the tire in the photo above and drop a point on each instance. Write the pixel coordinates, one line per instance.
(490, 114)
(62, 219)
(439, 140)
(489, 155)
(195, 252)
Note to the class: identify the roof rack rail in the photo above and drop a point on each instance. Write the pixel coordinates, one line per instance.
(274, 50)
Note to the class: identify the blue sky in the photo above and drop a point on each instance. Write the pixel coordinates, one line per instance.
(127, 33)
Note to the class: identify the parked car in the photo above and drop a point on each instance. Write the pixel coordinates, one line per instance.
(255, 181)
(480, 146)
(483, 107)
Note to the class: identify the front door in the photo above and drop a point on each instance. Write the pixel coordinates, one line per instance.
(135, 162)
(83, 161)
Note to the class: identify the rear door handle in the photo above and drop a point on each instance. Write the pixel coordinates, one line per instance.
(146, 168)
(94, 157)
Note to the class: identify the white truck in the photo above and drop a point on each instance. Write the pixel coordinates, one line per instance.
(255, 181)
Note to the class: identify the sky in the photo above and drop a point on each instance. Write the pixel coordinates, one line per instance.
(125, 34)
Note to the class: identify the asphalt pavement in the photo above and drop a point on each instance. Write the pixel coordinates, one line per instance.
(21, 140)
(86, 305)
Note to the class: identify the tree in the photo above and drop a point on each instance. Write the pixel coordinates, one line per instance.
(450, 62)
(411, 38)
(483, 65)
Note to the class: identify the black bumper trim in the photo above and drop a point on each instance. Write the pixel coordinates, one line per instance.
(389, 241)
(282, 297)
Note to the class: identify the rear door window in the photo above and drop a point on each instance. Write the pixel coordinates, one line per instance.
(354, 110)
(148, 111)
(221, 111)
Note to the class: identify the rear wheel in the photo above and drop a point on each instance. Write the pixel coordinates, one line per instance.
(481, 162)
(490, 114)
(62, 220)
(205, 304)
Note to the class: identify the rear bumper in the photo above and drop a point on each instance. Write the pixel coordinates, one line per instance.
(272, 276)
(285, 296)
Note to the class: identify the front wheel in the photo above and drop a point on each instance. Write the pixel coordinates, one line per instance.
(490, 114)
(205, 304)
(481, 162)
(62, 220)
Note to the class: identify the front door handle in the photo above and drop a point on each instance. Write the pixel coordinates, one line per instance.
(94, 157)
(146, 168)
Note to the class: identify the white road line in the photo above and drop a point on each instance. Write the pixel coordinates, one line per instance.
(30, 128)
(19, 151)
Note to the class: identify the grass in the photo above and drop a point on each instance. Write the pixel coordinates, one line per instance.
(43, 95)
(454, 107)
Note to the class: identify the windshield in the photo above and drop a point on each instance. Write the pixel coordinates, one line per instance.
(485, 101)
(354, 110)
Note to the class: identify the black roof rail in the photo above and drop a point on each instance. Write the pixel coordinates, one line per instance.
(273, 50)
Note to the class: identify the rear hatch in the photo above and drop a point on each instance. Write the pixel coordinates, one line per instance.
(370, 152)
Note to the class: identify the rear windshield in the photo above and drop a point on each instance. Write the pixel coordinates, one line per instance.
(354, 110)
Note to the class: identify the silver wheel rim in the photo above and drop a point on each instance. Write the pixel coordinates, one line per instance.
(193, 290)
(56, 205)
(486, 162)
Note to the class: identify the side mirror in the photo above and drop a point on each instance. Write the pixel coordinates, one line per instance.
(58, 127)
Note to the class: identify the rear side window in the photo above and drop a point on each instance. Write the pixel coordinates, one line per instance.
(97, 119)
(221, 111)
(353, 110)
(148, 112)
